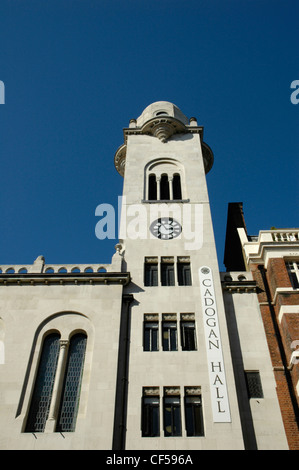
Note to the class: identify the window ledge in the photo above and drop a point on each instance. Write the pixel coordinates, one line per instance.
(165, 201)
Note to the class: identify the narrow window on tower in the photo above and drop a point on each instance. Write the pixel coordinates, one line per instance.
(184, 271)
(72, 384)
(172, 412)
(151, 333)
(167, 271)
(293, 271)
(254, 384)
(188, 335)
(169, 333)
(151, 271)
(150, 416)
(164, 188)
(42, 393)
(176, 187)
(193, 412)
(152, 188)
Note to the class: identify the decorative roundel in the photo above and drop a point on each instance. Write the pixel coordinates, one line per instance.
(165, 228)
(205, 270)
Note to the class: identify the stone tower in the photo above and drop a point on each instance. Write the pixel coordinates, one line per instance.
(179, 368)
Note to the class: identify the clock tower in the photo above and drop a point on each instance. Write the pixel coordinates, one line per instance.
(179, 387)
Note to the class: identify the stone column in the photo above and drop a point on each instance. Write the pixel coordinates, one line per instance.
(57, 387)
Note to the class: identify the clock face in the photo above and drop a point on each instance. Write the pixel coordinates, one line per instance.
(165, 228)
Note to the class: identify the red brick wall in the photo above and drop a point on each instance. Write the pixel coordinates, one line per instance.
(277, 276)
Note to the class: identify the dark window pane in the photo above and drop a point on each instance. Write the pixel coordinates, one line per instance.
(72, 385)
(164, 188)
(150, 274)
(293, 271)
(43, 388)
(188, 336)
(172, 416)
(167, 274)
(176, 185)
(150, 417)
(150, 338)
(184, 274)
(152, 188)
(193, 414)
(169, 333)
(254, 385)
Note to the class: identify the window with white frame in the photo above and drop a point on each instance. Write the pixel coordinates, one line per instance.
(293, 271)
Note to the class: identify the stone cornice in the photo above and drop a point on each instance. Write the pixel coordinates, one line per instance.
(239, 286)
(64, 278)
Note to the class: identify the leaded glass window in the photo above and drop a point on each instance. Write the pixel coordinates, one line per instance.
(41, 398)
(254, 384)
(72, 384)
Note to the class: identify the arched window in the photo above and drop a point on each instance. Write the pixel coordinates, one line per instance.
(42, 393)
(164, 180)
(60, 368)
(164, 188)
(72, 384)
(176, 187)
(152, 188)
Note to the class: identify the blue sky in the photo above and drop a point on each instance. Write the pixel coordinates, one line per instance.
(75, 73)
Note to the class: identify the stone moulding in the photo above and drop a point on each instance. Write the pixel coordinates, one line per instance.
(162, 128)
(64, 278)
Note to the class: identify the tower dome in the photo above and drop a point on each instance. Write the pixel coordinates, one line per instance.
(161, 109)
(162, 120)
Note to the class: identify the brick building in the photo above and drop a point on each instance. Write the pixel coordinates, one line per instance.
(273, 259)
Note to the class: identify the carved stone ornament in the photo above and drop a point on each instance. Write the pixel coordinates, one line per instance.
(151, 391)
(163, 127)
(120, 159)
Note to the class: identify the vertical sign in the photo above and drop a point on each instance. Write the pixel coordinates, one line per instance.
(218, 389)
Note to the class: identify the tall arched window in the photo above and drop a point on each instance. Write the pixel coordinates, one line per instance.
(152, 188)
(164, 180)
(176, 186)
(72, 384)
(43, 388)
(164, 188)
(60, 369)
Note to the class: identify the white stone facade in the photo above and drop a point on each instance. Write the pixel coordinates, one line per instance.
(112, 303)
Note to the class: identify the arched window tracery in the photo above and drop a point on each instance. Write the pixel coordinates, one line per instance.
(164, 181)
